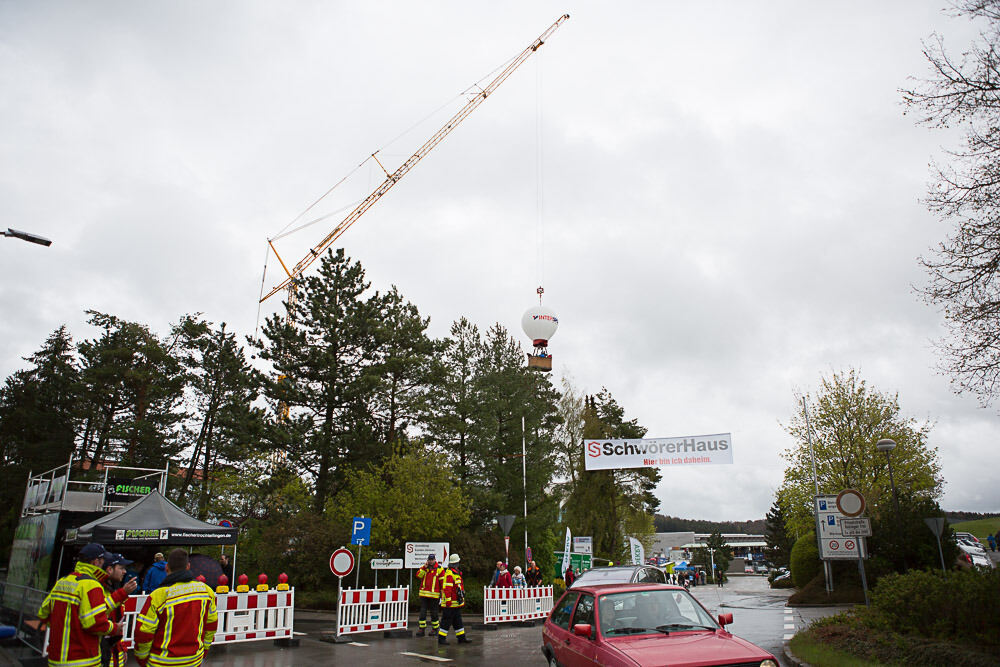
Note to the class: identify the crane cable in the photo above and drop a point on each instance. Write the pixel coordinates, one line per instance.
(539, 187)
(285, 231)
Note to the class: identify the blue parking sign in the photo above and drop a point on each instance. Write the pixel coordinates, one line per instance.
(361, 531)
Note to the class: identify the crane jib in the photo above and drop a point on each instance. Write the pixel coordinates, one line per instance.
(386, 185)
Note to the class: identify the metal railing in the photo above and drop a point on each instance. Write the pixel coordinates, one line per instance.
(19, 608)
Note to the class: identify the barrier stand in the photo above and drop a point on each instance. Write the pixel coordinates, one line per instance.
(243, 617)
(523, 606)
(383, 610)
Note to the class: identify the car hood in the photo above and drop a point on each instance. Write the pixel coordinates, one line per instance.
(688, 648)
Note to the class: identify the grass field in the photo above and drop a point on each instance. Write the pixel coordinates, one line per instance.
(980, 528)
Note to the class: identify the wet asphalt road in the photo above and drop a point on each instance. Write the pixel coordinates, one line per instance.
(759, 615)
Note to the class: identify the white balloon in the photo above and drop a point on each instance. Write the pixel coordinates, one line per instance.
(540, 323)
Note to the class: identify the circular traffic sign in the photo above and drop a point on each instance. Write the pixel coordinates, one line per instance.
(849, 545)
(850, 502)
(341, 562)
(834, 545)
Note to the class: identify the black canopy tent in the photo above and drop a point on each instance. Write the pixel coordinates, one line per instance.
(151, 521)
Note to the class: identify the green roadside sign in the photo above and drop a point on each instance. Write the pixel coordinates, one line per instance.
(582, 561)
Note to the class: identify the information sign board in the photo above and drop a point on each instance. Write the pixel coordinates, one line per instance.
(860, 527)
(834, 545)
(386, 563)
(415, 553)
(583, 545)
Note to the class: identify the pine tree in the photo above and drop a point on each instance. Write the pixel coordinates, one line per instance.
(224, 426)
(38, 421)
(402, 368)
(323, 360)
(779, 542)
(453, 403)
(131, 389)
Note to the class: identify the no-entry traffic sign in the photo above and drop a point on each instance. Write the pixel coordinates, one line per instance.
(341, 562)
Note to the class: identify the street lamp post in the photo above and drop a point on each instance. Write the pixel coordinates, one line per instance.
(27, 236)
(887, 445)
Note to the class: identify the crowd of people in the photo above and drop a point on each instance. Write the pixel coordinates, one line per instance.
(503, 578)
(84, 613)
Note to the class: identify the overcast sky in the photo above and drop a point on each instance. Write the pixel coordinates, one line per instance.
(722, 200)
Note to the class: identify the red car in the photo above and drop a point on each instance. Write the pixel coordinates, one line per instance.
(641, 625)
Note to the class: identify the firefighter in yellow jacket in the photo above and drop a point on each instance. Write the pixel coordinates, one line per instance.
(452, 601)
(430, 594)
(77, 613)
(178, 622)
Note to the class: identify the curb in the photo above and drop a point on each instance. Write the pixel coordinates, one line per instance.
(786, 649)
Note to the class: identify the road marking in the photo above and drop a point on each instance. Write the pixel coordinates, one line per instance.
(356, 644)
(426, 657)
(300, 634)
(787, 637)
(789, 626)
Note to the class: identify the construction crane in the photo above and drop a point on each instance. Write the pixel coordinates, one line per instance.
(393, 178)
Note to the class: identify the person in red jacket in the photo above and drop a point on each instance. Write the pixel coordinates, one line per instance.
(452, 601)
(430, 594)
(77, 613)
(504, 578)
(569, 577)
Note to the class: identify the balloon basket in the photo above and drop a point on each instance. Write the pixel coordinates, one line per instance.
(543, 364)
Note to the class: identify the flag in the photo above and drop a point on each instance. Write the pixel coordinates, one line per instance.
(566, 548)
(638, 551)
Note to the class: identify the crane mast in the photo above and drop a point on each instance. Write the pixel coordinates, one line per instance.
(394, 177)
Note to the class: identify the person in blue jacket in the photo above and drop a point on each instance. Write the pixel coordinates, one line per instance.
(155, 575)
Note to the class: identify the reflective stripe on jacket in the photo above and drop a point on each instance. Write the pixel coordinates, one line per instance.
(430, 585)
(77, 615)
(177, 624)
(452, 590)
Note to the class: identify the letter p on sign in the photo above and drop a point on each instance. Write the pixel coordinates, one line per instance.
(361, 531)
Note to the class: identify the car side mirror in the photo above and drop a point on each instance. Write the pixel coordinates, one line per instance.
(725, 619)
(582, 629)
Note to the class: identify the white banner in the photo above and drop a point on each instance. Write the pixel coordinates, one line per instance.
(637, 550)
(566, 552)
(658, 452)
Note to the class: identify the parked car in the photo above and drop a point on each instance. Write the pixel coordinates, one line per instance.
(970, 544)
(760, 567)
(974, 556)
(967, 536)
(621, 574)
(637, 625)
(748, 569)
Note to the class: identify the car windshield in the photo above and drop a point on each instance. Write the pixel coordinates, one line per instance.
(606, 575)
(651, 611)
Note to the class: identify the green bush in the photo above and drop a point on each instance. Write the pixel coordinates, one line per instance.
(959, 605)
(805, 563)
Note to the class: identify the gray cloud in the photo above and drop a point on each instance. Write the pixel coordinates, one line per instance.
(730, 193)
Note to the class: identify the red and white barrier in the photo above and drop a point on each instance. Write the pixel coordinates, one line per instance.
(243, 617)
(372, 610)
(501, 605)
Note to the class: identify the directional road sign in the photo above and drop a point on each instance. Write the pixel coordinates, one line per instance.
(361, 531)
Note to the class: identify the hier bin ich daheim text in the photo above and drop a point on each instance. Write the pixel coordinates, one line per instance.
(703, 449)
